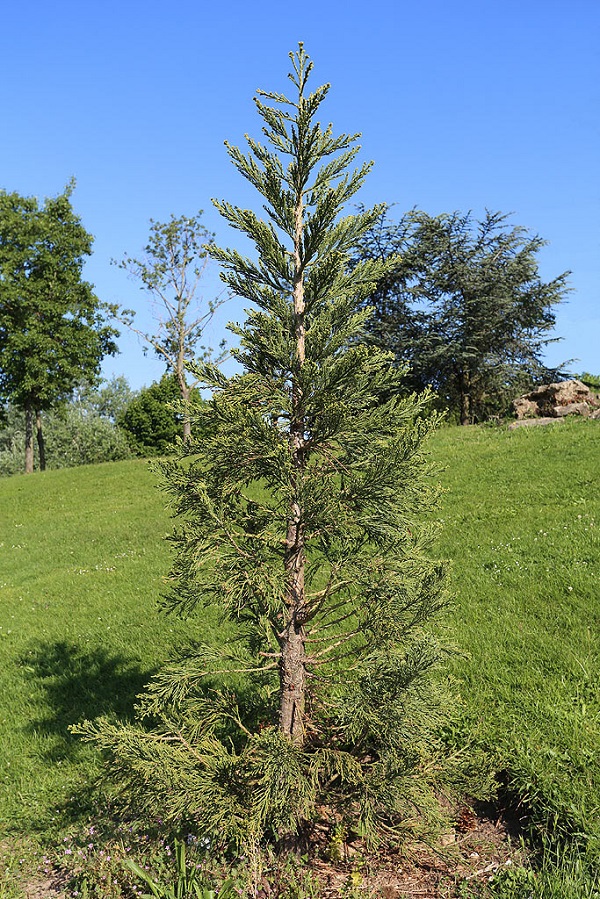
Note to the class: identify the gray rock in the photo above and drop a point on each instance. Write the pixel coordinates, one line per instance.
(573, 409)
(529, 422)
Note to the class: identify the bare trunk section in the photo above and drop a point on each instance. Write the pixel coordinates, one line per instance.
(292, 673)
(28, 439)
(465, 400)
(40, 440)
(187, 424)
(181, 380)
(465, 417)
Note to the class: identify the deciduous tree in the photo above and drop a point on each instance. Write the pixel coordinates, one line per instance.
(170, 272)
(52, 330)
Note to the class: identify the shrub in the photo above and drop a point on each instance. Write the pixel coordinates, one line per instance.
(73, 437)
(151, 421)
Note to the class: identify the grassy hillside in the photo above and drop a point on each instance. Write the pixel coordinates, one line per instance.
(82, 556)
(522, 526)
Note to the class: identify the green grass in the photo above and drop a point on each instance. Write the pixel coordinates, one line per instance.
(521, 522)
(82, 558)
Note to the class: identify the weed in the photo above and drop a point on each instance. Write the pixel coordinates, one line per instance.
(187, 883)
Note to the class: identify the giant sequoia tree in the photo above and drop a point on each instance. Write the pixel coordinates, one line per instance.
(52, 332)
(300, 523)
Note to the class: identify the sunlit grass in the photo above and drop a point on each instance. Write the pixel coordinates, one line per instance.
(82, 558)
(82, 562)
(522, 525)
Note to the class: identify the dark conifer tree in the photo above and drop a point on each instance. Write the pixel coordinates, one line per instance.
(465, 307)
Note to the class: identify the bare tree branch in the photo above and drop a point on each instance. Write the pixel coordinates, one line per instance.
(170, 271)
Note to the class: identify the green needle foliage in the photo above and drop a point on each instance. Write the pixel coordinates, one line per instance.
(299, 523)
(465, 307)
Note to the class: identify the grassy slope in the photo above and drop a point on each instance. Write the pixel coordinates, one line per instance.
(522, 526)
(81, 561)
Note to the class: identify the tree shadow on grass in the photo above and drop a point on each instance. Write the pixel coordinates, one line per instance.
(78, 683)
(74, 683)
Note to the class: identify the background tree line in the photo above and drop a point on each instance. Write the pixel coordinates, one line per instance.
(104, 423)
(461, 306)
(55, 331)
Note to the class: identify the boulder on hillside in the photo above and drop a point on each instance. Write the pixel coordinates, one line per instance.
(557, 400)
(531, 422)
(525, 408)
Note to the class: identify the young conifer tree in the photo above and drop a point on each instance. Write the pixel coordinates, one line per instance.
(300, 515)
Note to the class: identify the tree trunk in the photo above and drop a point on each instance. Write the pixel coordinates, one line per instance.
(292, 672)
(185, 395)
(465, 400)
(187, 424)
(40, 440)
(293, 682)
(28, 439)
(465, 413)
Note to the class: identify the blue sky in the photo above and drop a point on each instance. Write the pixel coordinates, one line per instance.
(462, 105)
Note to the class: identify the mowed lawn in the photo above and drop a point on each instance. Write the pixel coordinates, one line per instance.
(521, 522)
(82, 557)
